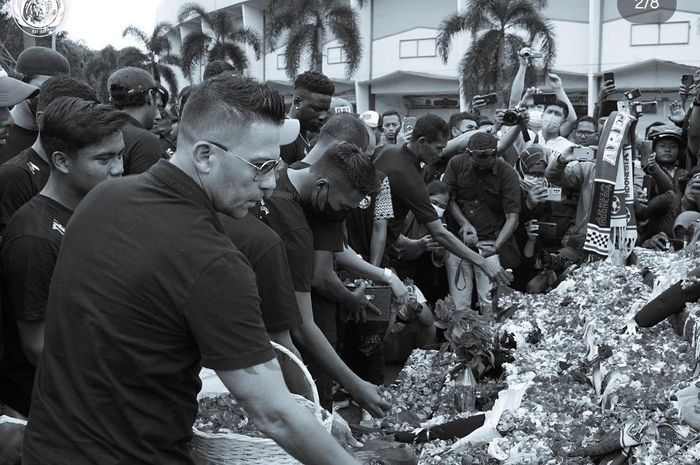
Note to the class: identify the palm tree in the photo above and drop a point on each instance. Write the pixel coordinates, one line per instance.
(220, 42)
(307, 23)
(158, 51)
(499, 29)
(99, 67)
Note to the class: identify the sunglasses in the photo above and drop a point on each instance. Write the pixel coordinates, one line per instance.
(261, 170)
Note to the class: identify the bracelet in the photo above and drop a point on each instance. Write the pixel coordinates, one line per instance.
(388, 274)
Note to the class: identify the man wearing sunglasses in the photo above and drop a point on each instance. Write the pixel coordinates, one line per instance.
(136, 93)
(148, 288)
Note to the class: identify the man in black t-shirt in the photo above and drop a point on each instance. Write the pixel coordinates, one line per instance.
(85, 144)
(23, 176)
(402, 165)
(138, 95)
(337, 182)
(312, 99)
(148, 288)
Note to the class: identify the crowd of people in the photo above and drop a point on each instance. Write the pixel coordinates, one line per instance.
(235, 220)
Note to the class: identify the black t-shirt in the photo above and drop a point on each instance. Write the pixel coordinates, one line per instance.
(141, 298)
(265, 251)
(21, 178)
(295, 151)
(142, 148)
(27, 258)
(284, 214)
(18, 139)
(408, 189)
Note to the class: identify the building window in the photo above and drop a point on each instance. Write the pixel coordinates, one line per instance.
(336, 55)
(417, 48)
(674, 33)
(280, 61)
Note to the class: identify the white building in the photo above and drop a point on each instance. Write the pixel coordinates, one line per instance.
(400, 68)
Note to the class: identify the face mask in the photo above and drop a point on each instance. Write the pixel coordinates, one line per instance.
(532, 179)
(439, 210)
(535, 120)
(326, 212)
(551, 123)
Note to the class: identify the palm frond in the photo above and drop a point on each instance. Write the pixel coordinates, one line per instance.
(132, 56)
(192, 9)
(231, 52)
(298, 40)
(478, 68)
(343, 22)
(248, 36)
(137, 34)
(450, 26)
(194, 47)
(159, 43)
(167, 74)
(221, 24)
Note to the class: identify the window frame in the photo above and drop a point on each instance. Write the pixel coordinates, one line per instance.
(343, 56)
(658, 34)
(281, 55)
(417, 41)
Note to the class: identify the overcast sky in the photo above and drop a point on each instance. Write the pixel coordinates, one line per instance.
(100, 22)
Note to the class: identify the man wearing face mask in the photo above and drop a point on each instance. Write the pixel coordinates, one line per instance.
(36, 65)
(485, 204)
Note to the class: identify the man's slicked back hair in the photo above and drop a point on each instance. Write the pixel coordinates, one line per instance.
(345, 127)
(229, 100)
(345, 164)
(64, 86)
(313, 81)
(69, 124)
(430, 126)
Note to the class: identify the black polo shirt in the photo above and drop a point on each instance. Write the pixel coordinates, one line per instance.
(142, 148)
(266, 254)
(408, 189)
(28, 254)
(147, 289)
(21, 178)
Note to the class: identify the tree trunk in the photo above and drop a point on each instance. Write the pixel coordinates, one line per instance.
(501, 62)
(317, 59)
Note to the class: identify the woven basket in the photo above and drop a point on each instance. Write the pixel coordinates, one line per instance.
(235, 448)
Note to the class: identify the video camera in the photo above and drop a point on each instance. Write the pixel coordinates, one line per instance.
(514, 117)
(553, 261)
(634, 107)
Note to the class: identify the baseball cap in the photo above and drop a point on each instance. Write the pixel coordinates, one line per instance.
(128, 82)
(42, 61)
(289, 131)
(370, 118)
(14, 91)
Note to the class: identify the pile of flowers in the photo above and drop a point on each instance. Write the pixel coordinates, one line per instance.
(599, 387)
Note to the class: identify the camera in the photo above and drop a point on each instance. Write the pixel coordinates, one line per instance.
(553, 261)
(512, 117)
(532, 54)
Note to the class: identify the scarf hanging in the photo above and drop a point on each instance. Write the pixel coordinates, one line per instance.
(612, 223)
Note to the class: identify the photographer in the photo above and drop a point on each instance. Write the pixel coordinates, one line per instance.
(485, 204)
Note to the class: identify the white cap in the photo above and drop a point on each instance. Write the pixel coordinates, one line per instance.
(370, 118)
(289, 131)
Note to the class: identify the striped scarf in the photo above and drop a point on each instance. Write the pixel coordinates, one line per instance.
(612, 224)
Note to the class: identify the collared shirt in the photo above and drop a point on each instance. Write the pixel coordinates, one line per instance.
(147, 289)
(484, 196)
(408, 189)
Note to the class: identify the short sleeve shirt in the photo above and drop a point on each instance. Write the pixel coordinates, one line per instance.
(21, 178)
(18, 140)
(141, 297)
(484, 196)
(284, 214)
(265, 251)
(142, 148)
(27, 259)
(360, 222)
(408, 189)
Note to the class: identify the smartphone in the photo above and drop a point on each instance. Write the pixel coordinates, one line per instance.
(647, 107)
(548, 229)
(554, 194)
(380, 296)
(544, 99)
(687, 80)
(633, 94)
(608, 77)
(645, 150)
(584, 153)
(489, 99)
(648, 184)
(409, 122)
(676, 244)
